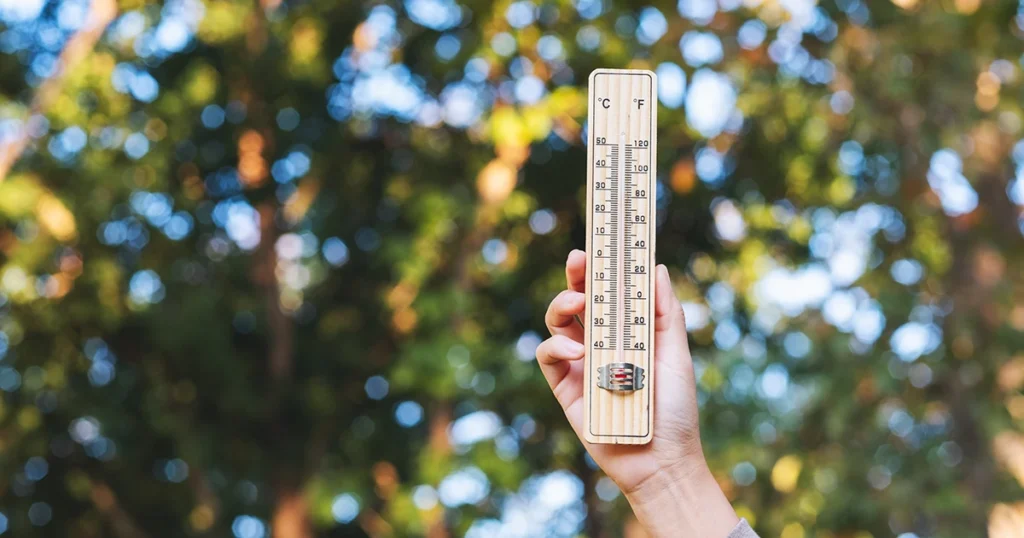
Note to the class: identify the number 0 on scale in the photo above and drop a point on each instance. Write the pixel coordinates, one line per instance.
(622, 140)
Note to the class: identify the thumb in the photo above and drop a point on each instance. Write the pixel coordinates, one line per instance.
(669, 322)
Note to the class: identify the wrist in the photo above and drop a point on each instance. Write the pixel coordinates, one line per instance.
(683, 502)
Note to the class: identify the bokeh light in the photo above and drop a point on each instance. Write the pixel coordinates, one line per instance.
(316, 240)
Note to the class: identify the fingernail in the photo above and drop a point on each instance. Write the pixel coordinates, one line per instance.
(575, 348)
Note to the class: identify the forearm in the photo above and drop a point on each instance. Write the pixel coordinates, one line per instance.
(683, 504)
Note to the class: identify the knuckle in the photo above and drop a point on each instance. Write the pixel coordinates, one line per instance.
(564, 296)
(552, 309)
(542, 350)
(558, 300)
(561, 303)
(678, 313)
(554, 346)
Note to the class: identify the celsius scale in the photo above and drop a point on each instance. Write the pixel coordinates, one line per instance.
(619, 329)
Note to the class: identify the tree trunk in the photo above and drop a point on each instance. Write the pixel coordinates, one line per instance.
(970, 297)
(291, 512)
(291, 515)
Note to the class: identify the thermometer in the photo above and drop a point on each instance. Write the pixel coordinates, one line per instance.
(622, 139)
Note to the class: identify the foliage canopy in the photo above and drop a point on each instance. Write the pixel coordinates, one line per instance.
(279, 267)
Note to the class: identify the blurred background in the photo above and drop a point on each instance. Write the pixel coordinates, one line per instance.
(278, 268)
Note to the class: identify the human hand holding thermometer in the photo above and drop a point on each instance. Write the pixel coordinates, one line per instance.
(642, 429)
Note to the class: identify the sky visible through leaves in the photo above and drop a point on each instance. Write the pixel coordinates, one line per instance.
(279, 267)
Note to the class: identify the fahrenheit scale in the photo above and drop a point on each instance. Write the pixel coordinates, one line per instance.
(622, 139)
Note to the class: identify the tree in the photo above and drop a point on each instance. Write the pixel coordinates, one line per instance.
(279, 267)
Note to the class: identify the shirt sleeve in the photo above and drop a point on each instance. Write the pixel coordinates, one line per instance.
(743, 530)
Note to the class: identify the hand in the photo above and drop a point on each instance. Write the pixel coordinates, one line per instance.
(667, 481)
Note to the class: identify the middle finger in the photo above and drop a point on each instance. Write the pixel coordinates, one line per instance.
(562, 312)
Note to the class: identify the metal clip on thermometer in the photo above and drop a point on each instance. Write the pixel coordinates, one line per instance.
(622, 139)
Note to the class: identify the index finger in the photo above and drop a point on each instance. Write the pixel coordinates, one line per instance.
(576, 270)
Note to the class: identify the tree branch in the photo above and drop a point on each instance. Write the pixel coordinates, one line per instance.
(80, 45)
(120, 521)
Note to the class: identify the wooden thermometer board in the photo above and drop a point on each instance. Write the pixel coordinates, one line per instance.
(621, 185)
